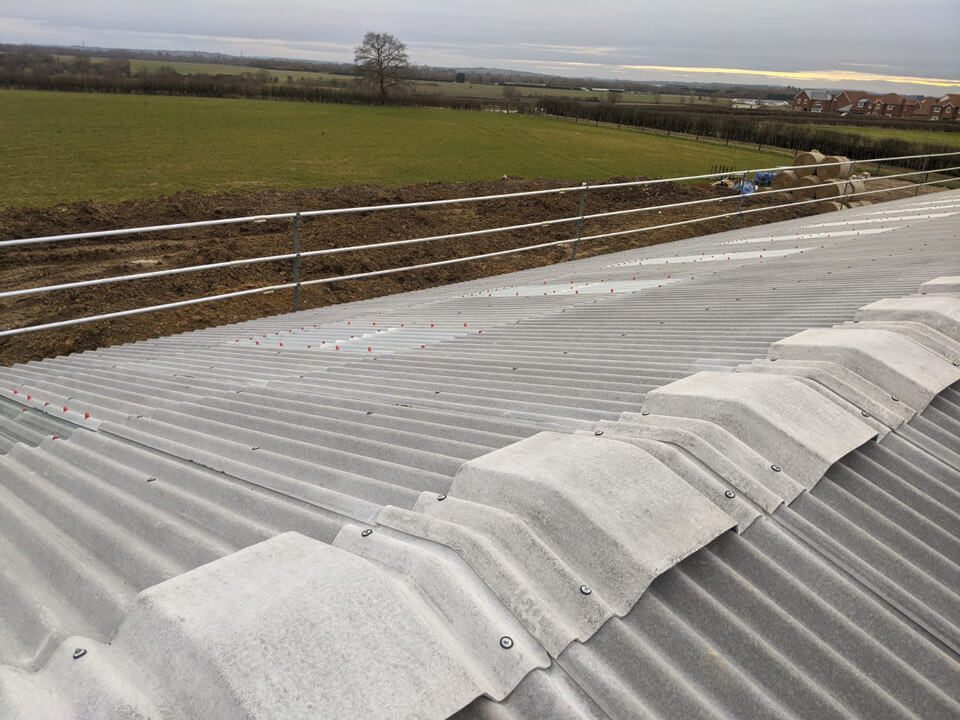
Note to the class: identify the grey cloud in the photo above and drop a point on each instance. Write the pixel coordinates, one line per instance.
(899, 38)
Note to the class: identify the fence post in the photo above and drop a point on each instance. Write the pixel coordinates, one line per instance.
(296, 262)
(743, 180)
(583, 194)
(926, 161)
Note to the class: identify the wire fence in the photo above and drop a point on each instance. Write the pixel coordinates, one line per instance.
(296, 255)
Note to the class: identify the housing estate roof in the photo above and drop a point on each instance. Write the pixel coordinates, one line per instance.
(713, 478)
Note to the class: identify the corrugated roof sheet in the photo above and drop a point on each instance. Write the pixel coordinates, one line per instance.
(189, 448)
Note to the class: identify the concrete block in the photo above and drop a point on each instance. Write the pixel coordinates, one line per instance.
(695, 473)
(783, 420)
(477, 618)
(746, 471)
(529, 577)
(844, 382)
(940, 312)
(572, 510)
(892, 361)
(294, 628)
(949, 284)
(925, 335)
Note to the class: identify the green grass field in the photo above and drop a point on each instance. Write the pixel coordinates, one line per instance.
(930, 137)
(63, 147)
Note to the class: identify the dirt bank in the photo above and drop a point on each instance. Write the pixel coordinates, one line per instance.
(61, 262)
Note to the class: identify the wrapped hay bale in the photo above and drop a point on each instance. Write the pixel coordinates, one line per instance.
(830, 189)
(839, 172)
(784, 180)
(808, 158)
(807, 187)
(856, 186)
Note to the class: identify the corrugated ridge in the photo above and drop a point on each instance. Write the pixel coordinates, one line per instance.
(768, 624)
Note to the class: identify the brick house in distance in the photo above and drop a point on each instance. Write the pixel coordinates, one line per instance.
(889, 105)
(814, 101)
(853, 102)
(946, 108)
(892, 105)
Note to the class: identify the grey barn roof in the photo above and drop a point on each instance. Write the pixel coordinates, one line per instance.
(192, 474)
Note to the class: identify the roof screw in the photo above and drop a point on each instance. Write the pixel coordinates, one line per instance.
(730, 494)
(775, 468)
(865, 413)
(506, 642)
(895, 398)
(366, 532)
(586, 590)
(644, 412)
(441, 498)
(598, 433)
(956, 363)
(79, 653)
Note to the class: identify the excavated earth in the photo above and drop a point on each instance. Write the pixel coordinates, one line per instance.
(46, 264)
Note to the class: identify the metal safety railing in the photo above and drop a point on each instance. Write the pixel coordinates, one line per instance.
(297, 254)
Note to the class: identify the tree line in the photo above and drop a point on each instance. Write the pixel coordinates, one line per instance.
(757, 128)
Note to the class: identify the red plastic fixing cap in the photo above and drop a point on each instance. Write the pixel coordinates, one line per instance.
(369, 349)
(86, 416)
(66, 409)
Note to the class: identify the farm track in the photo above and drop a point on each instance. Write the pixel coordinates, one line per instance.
(62, 262)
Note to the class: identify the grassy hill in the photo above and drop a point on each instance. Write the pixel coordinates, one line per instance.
(62, 147)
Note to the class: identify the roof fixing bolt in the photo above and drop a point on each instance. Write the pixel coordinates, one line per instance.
(644, 412)
(79, 653)
(865, 413)
(598, 433)
(366, 533)
(506, 642)
(730, 494)
(775, 468)
(895, 398)
(956, 363)
(441, 498)
(586, 590)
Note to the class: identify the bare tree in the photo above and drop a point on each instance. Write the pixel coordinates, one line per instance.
(382, 59)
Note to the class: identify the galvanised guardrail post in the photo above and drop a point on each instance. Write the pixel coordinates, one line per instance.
(583, 196)
(926, 164)
(296, 262)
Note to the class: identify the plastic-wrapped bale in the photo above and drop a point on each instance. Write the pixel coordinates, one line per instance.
(814, 157)
(833, 205)
(855, 187)
(807, 187)
(832, 189)
(838, 172)
(784, 180)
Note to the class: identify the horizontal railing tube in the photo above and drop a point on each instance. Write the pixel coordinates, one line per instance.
(438, 263)
(412, 241)
(428, 203)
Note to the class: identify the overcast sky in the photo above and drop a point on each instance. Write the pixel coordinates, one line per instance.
(899, 45)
